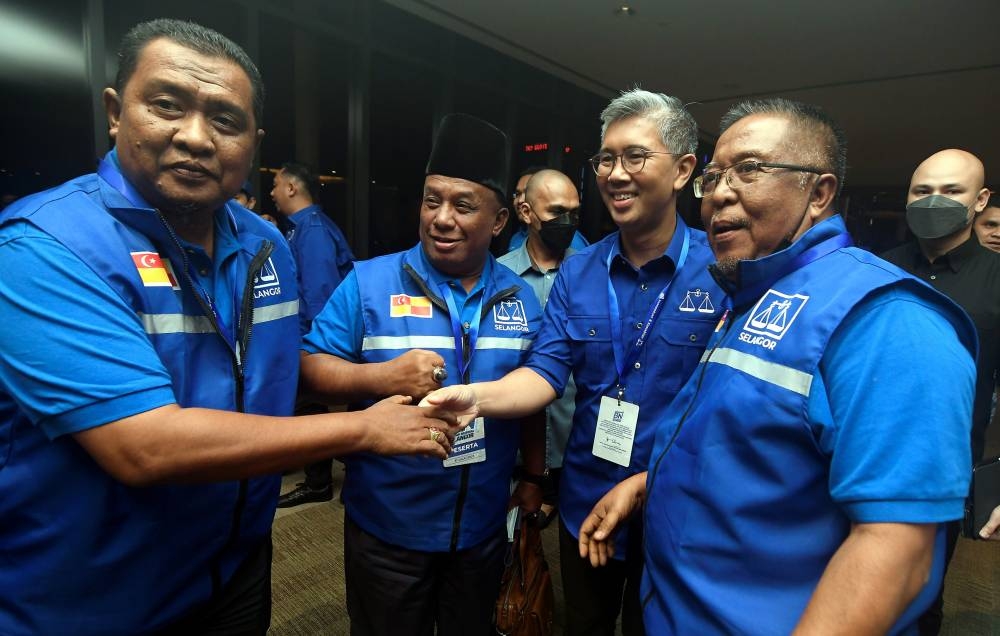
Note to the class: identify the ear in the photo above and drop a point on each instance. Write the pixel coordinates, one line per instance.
(981, 200)
(524, 212)
(113, 110)
(824, 194)
(500, 221)
(685, 168)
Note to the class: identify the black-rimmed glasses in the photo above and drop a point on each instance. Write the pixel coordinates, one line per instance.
(745, 172)
(633, 160)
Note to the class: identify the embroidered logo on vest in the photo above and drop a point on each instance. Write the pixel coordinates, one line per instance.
(508, 315)
(771, 318)
(266, 282)
(403, 305)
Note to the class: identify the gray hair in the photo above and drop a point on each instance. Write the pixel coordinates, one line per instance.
(829, 150)
(678, 129)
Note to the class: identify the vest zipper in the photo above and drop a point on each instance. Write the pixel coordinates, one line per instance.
(677, 430)
(463, 489)
(237, 352)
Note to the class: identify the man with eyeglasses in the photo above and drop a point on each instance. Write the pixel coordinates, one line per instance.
(629, 317)
(799, 480)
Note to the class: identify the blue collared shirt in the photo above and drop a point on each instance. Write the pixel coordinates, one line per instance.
(323, 257)
(576, 338)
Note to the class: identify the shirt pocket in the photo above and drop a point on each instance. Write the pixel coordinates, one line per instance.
(590, 348)
(681, 342)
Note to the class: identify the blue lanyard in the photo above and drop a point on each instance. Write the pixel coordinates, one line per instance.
(623, 366)
(752, 294)
(107, 171)
(457, 329)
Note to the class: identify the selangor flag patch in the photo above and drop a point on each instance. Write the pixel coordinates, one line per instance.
(402, 305)
(153, 270)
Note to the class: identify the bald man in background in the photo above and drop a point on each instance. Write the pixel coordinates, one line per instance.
(945, 198)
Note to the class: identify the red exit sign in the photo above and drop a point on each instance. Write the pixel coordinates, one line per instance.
(536, 147)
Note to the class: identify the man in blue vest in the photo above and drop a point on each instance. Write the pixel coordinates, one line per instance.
(800, 480)
(629, 317)
(425, 539)
(148, 357)
(323, 258)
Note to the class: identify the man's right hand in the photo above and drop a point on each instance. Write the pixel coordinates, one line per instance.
(413, 373)
(399, 429)
(458, 399)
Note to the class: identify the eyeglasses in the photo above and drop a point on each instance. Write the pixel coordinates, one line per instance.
(633, 160)
(745, 172)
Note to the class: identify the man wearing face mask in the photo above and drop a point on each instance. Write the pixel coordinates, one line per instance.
(550, 210)
(946, 195)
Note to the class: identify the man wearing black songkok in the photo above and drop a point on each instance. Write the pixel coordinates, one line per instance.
(424, 539)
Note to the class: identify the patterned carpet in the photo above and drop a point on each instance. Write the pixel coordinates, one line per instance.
(309, 597)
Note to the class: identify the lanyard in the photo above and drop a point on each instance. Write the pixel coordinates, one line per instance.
(623, 366)
(457, 329)
(107, 171)
(832, 244)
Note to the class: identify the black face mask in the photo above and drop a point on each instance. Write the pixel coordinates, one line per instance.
(936, 216)
(558, 233)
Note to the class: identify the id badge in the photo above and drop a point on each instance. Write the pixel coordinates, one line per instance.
(469, 446)
(616, 423)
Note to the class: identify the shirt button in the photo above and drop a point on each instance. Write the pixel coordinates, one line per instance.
(190, 251)
(592, 332)
(637, 365)
(203, 272)
(643, 287)
(466, 326)
(933, 276)
(638, 325)
(693, 337)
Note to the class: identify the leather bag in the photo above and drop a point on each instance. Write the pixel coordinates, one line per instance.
(526, 601)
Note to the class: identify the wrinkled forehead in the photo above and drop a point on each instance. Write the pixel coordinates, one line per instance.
(454, 187)
(761, 136)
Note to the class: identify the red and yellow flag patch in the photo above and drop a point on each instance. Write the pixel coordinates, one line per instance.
(153, 270)
(402, 305)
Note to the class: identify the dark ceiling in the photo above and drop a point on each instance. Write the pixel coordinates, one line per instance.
(904, 77)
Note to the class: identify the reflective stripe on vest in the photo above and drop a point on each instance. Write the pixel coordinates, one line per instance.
(772, 372)
(162, 324)
(376, 343)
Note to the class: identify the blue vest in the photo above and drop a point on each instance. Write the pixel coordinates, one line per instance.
(746, 546)
(86, 554)
(415, 502)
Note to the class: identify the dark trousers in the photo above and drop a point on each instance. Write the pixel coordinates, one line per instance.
(241, 608)
(392, 590)
(319, 475)
(595, 596)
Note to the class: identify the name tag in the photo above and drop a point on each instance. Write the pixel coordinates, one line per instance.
(469, 446)
(616, 422)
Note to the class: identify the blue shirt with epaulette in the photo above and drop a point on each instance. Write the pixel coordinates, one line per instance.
(576, 336)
